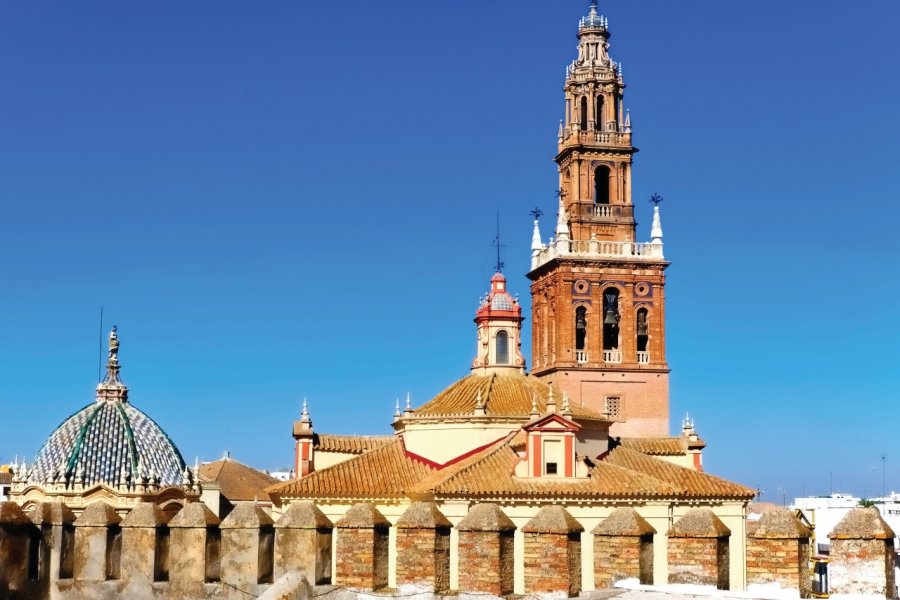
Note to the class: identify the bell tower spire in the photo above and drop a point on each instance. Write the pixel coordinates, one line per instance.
(598, 306)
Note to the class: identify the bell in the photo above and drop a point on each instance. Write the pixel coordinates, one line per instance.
(580, 324)
(611, 317)
(642, 329)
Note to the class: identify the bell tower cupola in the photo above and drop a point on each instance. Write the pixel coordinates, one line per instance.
(598, 302)
(498, 323)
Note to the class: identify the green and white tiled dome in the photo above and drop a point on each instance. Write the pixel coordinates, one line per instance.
(109, 442)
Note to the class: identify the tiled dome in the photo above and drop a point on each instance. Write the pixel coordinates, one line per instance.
(109, 442)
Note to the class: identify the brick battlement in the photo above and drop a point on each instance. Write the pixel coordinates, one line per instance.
(49, 553)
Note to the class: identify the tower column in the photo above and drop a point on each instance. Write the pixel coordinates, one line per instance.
(602, 253)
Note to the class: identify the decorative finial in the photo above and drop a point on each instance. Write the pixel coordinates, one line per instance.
(113, 344)
(565, 403)
(656, 232)
(111, 389)
(562, 221)
(397, 408)
(496, 243)
(536, 233)
(304, 413)
(408, 401)
(534, 405)
(551, 402)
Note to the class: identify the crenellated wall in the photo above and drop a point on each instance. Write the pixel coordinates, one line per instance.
(493, 548)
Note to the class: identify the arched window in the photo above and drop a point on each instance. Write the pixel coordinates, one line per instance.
(601, 185)
(643, 330)
(583, 116)
(598, 113)
(580, 327)
(611, 319)
(502, 348)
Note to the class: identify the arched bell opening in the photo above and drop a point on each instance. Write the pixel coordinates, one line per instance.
(611, 318)
(601, 185)
(642, 329)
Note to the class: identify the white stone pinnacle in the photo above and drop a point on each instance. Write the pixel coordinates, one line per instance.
(656, 232)
(536, 237)
(562, 224)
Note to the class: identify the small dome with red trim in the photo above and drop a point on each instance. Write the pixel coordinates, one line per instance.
(498, 299)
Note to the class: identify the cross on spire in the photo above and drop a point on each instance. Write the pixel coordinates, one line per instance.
(496, 243)
(655, 199)
(536, 213)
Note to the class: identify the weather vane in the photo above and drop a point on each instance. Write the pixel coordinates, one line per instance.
(536, 213)
(561, 193)
(655, 199)
(498, 245)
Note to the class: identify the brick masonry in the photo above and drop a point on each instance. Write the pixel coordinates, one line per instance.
(483, 555)
(423, 558)
(622, 557)
(553, 563)
(362, 558)
(860, 566)
(702, 561)
(780, 561)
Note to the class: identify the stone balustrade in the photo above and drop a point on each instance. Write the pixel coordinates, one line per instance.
(591, 138)
(47, 553)
(596, 249)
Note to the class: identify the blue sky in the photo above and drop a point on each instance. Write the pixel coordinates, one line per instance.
(279, 199)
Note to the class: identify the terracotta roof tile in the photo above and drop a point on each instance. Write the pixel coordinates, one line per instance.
(688, 482)
(350, 444)
(491, 474)
(388, 472)
(385, 472)
(237, 481)
(508, 395)
(665, 446)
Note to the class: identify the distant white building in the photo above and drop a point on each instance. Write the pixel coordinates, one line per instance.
(282, 475)
(824, 512)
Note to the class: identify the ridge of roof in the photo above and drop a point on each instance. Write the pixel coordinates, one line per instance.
(236, 480)
(688, 481)
(383, 472)
(658, 446)
(349, 444)
(503, 395)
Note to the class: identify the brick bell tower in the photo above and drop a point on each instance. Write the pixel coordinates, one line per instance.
(598, 300)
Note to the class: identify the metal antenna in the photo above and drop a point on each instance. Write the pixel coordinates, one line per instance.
(100, 349)
(498, 245)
